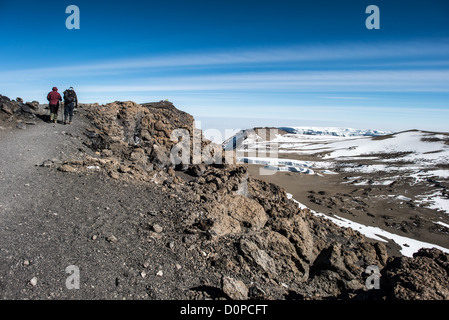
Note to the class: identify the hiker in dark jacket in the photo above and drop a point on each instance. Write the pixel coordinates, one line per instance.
(54, 97)
(70, 103)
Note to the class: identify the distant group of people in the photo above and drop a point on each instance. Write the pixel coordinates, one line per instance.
(70, 103)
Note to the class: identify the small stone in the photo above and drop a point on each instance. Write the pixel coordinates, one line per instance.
(143, 274)
(33, 104)
(160, 273)
(159, 125)
(171, 244)
(47, 163)
(94, 237)
(107, 153)
(6, 108)
(33, 281)
(201, 180)
(26, 263)
(189, 239)
(66, 168)
(155, 236)
(114, 175)
(124, 169)
(111, 238)
(178, 266)
(157, 228)
(234, 289)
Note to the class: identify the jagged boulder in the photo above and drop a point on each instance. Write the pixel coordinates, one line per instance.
(298, 231)
(33, 104)
(160, 157)
(272, 254)
(258, 258)
(7, 108)
(165, 133)
(234, 214)
(17, 107)
(423, 277)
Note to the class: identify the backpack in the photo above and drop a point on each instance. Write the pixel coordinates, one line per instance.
(69, 96)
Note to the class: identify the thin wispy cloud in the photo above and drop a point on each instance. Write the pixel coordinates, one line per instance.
(339, 52)
(363, 80)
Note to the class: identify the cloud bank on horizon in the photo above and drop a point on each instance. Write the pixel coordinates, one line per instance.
(225, 60)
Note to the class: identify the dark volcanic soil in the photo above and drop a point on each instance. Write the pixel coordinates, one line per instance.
(51, 220)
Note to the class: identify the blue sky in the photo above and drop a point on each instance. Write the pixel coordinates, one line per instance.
(237, 64)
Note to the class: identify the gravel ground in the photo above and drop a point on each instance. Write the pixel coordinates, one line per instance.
(50, 220)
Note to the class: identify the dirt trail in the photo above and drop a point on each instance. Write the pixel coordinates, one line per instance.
(50, 220)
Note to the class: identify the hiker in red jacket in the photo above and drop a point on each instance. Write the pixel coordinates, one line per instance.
(54, 97)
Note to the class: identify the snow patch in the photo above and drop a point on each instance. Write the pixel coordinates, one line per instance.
(334, 131)
(404, 198)
(288, 165)
(434, 201)
(442, 224)
(408, 246)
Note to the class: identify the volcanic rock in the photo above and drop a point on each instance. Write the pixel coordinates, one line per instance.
(423, 277)
(235, 289)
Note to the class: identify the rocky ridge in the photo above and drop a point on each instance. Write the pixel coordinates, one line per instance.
(18, 111)
(260, 244)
